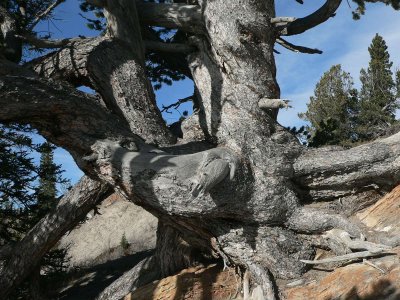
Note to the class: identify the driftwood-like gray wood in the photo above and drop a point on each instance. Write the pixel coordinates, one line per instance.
(237, 196)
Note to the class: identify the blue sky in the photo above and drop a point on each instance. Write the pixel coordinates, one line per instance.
(343, 40)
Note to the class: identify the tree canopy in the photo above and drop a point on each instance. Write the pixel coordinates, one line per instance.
(340, 115)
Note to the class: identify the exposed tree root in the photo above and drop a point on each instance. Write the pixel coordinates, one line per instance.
(349, 257)
(265, 289)
(311, 220)
(141, 274)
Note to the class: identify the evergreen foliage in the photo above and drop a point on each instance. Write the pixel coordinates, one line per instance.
(340, 115)
(124, 242)
(332, 109)
(377, 96)
(17, 180)
(360, 10)
(49, 174)
(27, 192)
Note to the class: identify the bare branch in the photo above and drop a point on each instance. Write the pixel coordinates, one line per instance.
(367, 262)
(182, 16)
(350, 256)
(46, 43)
(266, 103)
(149, 45)
(177, 103)
(90, 62)
(303, 24)
(45, 13)
(278, 20)
(296, 48)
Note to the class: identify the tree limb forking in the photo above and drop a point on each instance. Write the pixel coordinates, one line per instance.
(177, 103)
(46, 105)
(149, 45)
(78, 63)
(70, 210)
(296, 48)
(301, 25)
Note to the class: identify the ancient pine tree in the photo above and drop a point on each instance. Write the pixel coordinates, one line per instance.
(235, 188)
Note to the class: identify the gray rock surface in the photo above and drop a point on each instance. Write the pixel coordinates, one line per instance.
(98, 239)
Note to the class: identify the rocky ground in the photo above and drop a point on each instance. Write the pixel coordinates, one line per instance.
(373, 279)
(98, 239)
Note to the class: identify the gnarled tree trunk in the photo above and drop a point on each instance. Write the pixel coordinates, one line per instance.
(242, 200)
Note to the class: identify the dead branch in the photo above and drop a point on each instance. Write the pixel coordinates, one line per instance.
(176, 104)
(296, 48)
(350, 256)
(45, 13)
(303, 24)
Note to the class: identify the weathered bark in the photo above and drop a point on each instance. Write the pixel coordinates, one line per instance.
(141, 274)
(26, 98)
(27, 253)
(117, 73)
(321, 15)
(330, 174)
(181, 16)
(242, 200)
(173, 253)
(10, 45)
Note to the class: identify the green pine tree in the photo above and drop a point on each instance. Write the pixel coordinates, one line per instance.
(398, 86)
(332, 110)
(20, 207)
(17, 178)
(48, 175)
(378, 95)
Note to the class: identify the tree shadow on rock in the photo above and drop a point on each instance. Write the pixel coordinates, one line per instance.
(382, 289)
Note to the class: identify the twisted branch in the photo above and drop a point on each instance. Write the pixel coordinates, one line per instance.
(303, 24)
